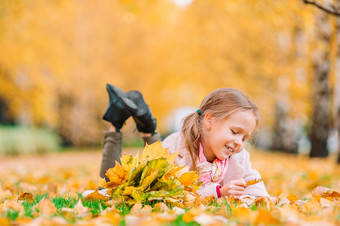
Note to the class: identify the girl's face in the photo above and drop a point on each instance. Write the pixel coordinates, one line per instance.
(221, 139)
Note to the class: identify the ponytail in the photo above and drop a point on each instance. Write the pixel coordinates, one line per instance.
(191, 131)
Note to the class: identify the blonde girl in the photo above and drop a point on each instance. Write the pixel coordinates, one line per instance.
(211, 140)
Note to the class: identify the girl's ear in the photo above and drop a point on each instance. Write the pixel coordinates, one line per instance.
(208, 121)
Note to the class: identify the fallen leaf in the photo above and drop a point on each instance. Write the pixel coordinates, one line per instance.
(161, 207)
(139, 210)
(81, 210)
(46, 207)
(156, 151)
(4, 221)
(116, 176)
(114, 218)
(325, 192)
(255, 181)
(13, 205)
(27, 197)
(292, 198)
(265, 217)
(96, 196)
(188, 178)
(129, 162)
(193, 212)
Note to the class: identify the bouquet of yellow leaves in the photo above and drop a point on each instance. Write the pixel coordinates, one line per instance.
(153, 176)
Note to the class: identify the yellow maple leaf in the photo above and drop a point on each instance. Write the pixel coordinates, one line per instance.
(128, 190)
(129, 162)
(155, 151)
(102, 182)
(149, 179)
(116, 175)
(188, 178)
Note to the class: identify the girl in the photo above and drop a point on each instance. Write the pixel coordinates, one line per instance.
(211, 140)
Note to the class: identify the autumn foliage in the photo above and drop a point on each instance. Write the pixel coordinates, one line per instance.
(47, 190)
(57, 56)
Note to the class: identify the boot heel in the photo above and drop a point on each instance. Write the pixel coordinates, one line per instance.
(145, 121)
(116, 115)
(120, 108)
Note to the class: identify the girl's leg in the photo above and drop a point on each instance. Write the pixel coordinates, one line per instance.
(112, 149)
(151, 138)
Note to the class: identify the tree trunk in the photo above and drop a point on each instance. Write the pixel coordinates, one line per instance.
(321, 111)
(338, 125)
(337, 85)
(64, 129)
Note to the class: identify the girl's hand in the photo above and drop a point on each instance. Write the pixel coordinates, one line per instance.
(233, 188)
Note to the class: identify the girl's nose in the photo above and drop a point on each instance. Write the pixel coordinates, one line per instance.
(238, 142)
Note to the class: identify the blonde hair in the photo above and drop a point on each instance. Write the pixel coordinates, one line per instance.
(220, 104)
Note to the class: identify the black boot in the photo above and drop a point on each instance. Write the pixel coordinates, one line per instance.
(120, 107)
(143, 117)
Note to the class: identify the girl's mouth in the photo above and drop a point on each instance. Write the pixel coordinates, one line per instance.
(231, 150)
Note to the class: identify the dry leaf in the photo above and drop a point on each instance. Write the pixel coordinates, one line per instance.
(5, 194)
(13, 205)
(156, 151)
(81, 210)
(325, 192)
(161, 207)
(292, 198)
(116, 175)
(266, 218)
(27, 197)
(46, 207)
(96, 196)
(4, 221)
(191, 214)
(129, 162)
(114, 218)
(136, 209)
(188, 178)
(255, 181)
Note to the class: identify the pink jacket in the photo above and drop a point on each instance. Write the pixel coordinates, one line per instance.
(239, 167)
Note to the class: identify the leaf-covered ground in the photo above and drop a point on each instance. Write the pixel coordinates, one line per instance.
(45, 190)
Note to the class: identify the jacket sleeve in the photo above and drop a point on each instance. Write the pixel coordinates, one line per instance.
(208, 190)
(257, 190)
(171, 143)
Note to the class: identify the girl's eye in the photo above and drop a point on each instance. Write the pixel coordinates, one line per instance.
(233, 132)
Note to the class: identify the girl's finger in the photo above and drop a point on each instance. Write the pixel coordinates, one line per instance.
(241, 182)
(236, 193)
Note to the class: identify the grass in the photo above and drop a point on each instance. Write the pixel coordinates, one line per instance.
(12, 215)
(179, 222)
(60, 202)
(284, 176)
(123, 209)
(16, 140)
(96, 206)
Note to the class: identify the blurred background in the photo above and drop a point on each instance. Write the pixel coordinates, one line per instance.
(57, 56)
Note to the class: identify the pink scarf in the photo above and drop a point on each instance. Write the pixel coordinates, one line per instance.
(211, 172)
